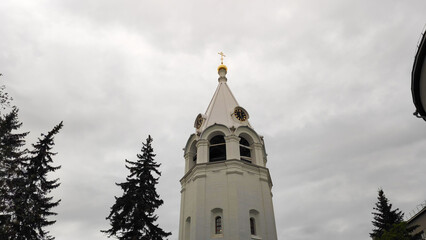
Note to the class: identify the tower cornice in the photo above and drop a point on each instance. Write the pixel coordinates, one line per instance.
(224, 165)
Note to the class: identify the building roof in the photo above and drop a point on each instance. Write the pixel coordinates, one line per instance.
(418, 214)
(222, 106)
(418, 79)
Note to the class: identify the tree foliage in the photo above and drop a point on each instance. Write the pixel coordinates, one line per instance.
(39, 186)
(12, 175)
(25, 203)
(389, 223)
(132, 216)
(5, 99)
(400, 231)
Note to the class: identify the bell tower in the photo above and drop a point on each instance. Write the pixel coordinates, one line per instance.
(226, 189)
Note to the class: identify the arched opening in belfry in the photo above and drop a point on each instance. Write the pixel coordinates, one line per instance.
(192, 159)
(245, 150)
(217, 149)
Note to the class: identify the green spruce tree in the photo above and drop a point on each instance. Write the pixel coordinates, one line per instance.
(24, 188)
(12, 176)
(389, 223)
(132, 216)
(384, 217)
(39, 201)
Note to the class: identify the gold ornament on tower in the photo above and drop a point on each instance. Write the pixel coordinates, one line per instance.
(221, 62)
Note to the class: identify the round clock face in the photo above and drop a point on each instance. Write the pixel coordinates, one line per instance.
(241, 114)
(198, 121)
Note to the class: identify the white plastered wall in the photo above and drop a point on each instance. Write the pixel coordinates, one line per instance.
(234, 186)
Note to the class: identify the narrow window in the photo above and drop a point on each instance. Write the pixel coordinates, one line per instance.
(252, 226)
(245, 150)
(217, 149)
(188, 229)
(218, 224)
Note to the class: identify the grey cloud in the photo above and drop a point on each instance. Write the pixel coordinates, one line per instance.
(326, 82)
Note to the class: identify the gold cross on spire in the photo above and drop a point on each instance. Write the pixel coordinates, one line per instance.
(221, 57)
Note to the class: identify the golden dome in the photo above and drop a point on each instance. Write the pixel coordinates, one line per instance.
(222, 66)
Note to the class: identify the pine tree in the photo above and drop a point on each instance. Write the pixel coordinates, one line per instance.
(132, 216)
(400, 231)
(385, 218)
(24, 188)
(12, 175)
(39, 203)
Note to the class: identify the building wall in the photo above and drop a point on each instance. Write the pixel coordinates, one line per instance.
(419, 219)
(233, 189)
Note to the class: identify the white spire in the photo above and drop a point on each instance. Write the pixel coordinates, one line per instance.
(222, 106)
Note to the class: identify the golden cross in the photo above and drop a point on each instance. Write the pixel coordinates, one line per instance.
(221, 57)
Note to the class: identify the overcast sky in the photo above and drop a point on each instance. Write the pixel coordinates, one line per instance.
(326, 82)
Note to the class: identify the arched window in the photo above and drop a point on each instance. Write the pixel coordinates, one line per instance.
(217, 149)
(218, 225)
(188, 229)
(216, 221)
(252, 226)
(245, 150)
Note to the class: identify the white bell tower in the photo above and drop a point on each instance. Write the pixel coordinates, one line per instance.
(226, 188)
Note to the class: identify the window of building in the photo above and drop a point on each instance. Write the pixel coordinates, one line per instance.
(217, 149)
(216, 222)
(218, 225)
(188, 229)
(245, 150)
(252, 226)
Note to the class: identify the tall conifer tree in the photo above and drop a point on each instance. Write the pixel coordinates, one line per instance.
(384, 217)
(12, 176)
(39, 187)
(389, 223)
(132, 216)
(24, 188)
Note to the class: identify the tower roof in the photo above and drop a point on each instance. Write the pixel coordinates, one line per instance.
(222, 106)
